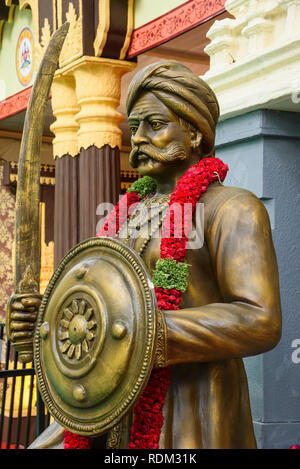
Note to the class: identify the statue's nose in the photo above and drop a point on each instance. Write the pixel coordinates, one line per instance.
(140, 135)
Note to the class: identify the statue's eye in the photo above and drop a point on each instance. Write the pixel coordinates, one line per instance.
(133, 129)
(156, 125)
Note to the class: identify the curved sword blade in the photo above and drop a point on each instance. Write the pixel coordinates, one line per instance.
(27, 258)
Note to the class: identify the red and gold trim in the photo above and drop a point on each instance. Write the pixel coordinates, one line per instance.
(15, 104)
(177, 21)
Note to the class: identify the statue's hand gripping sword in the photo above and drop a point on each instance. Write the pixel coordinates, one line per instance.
(23, 304)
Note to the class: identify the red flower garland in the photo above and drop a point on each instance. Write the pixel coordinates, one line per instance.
(148, 418)
(119, 215)
(72, 441)
(145, 432)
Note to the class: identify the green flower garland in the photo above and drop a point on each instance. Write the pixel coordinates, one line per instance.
(144, 186)
(171, 274)
(168, 272)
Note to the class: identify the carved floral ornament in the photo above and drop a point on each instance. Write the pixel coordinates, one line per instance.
(261, 44)
(72, 48)
(175, 22)
(76, 12)
(256, 26)
(77, 329)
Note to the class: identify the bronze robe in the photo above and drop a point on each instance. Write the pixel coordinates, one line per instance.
(230, 310)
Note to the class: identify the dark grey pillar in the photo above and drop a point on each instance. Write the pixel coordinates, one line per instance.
(262, 149)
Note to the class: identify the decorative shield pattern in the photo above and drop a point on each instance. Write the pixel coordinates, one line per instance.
(95, 336)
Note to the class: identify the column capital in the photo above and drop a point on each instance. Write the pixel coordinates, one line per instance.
(123, 66)
(98, 90)
(86, 96)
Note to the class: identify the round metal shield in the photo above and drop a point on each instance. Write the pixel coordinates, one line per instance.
(95, 336)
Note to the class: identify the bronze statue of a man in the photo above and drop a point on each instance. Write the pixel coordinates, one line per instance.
(231, 307)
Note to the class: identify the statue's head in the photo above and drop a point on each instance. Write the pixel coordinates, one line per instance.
(172, 114)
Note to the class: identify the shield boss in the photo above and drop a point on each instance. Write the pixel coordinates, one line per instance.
(95, 336)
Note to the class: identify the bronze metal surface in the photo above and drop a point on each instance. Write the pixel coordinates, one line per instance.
(95, 336)
(230, 310)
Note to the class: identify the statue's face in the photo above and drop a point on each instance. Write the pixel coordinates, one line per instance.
(159, 141)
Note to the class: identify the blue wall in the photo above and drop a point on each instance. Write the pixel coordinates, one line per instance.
(262, 150)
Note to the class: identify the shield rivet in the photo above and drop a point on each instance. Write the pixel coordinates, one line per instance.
(44, 330)
(79, 392)
(80, 273)
(119, 330)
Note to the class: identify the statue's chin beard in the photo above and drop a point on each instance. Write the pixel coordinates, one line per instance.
(173, 153)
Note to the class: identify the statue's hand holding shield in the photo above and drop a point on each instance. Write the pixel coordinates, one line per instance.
(96, 337)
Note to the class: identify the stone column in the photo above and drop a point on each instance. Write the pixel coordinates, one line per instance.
(65, 151)
(85, 98)
(292, 8)
(98, 89)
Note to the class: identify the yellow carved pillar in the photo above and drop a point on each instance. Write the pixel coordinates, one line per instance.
(85, 100)
(65, 108)
(98, 89)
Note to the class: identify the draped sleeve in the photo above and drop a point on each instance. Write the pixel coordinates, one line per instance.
(248, 320)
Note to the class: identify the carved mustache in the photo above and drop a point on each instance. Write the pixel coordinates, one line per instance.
(173, 153)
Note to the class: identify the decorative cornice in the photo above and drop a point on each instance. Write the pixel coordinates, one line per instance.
(45, 181)
(172, 24)
(11, 134)
(47, 174)
(15, 104)
(259, 46)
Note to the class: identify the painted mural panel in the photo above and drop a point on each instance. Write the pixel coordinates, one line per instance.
(7, 228)
(16, 54)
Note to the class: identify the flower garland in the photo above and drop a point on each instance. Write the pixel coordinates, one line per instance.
(72, 441)
(170, 280)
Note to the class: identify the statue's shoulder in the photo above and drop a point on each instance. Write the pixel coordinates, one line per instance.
(233, 202)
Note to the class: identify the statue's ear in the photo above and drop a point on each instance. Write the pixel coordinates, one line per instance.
(196, 139)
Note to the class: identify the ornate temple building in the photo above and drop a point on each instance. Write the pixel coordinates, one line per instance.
(248, 52)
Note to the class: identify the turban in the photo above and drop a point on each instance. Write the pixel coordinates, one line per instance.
(183, 92)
